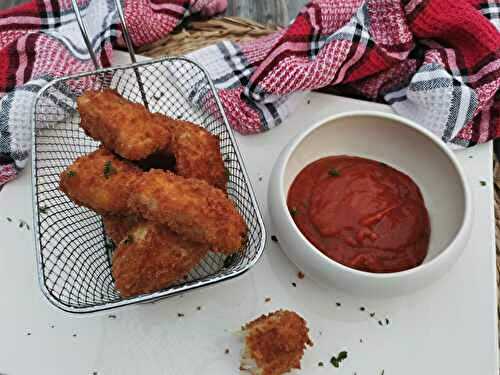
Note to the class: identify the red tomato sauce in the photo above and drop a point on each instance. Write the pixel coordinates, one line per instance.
(361, 213)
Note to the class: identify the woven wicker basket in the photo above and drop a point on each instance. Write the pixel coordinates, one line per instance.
(199, 34)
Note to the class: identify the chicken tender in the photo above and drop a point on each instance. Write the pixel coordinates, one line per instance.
(275, 343)
(151, 258)
(197, 153)
(99, 181)
(117, 227)
(123, 127)
(190, 207)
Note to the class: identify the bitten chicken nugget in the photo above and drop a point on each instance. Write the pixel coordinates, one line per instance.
(190, 207)
(99, 181)
(117, 227)
(151, 258)
(197, 153)
(275, 343)
(123, 127)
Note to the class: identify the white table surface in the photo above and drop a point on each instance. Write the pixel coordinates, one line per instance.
(448, 328)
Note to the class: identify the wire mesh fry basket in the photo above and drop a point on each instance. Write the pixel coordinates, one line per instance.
(73, 251)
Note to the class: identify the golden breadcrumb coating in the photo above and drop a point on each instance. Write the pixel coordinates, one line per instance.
(123, 127)
(275, 343)
(197, 152)
(190, 207)
(151, 258)
(117, 227)
(99, 181)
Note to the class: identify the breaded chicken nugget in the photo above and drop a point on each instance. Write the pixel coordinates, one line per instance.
(117, 227)
(126, 128)
(197, 153)
(99, 181)
(151, 258)
(275, 343)
(190, 207)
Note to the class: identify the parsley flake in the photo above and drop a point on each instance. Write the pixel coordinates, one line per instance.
(71, 173)
(293, 211)
(335, 361)
(333, 172)
(108, 169)
(483, 183)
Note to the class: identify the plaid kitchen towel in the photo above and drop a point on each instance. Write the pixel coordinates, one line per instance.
(435, 61)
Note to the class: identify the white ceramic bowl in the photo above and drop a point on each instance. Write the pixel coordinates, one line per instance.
(403, 145)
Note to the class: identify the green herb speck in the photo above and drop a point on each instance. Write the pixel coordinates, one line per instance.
(274, 238)
(380, 323)
(338, 304)
(386, 321)
(320, 364)
(342, 355)
(335, 361)
(293, 211)
(483, 183)
(180, 315)
(372, 315)
(71, 173)
(333, 172)
(108, 169)
(361, 308)
(9, 219)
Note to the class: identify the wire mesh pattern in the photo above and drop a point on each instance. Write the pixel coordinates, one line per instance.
(74, 254)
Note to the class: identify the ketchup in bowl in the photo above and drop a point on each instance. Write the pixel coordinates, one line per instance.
(361, 213)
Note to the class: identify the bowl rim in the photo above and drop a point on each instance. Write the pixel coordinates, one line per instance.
(461, 235)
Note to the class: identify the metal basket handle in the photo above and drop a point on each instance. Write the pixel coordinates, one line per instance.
(126, 37)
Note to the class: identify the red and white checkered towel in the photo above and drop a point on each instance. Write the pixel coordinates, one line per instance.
(435, 61)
